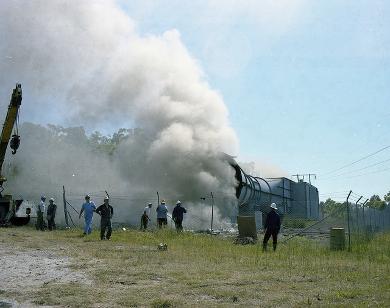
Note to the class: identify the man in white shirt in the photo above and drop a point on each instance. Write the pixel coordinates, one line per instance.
(40, 210)
(145, 218)
(147, 209)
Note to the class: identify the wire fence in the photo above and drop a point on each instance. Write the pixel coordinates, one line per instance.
(203, 215)
(359, 222)
(218, 213)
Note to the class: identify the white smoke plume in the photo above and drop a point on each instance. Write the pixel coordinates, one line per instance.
(83, 63)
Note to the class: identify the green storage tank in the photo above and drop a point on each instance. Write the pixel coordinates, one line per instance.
(337, 239)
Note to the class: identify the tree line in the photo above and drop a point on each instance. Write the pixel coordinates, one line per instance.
(329, 206)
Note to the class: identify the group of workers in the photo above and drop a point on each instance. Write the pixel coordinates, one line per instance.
(106, 211)
(162, 215)
(50, 214)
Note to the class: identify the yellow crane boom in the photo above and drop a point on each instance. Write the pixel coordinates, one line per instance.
(10, 120)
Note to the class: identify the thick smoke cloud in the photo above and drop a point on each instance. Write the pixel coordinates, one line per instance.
(83, 63)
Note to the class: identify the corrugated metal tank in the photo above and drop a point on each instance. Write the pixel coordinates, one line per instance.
(255, 194)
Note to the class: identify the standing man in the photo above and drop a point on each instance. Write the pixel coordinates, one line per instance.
(162, 212)
(147, 209)
(105, 211)
(88, 208)
(145, 218)
(177, 216)
(272, 227)
(40, 211)
(51, 215)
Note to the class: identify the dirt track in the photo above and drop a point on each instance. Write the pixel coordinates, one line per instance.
(29, 269)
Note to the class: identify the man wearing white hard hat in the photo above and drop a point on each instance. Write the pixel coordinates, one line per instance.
(145, 218)
(105, 211)
(162, 212)
(271, 227)
(51, 215)
(177, 216)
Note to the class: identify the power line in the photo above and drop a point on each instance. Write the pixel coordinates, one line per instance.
(374, 172)
(356, 170)
(359, 160)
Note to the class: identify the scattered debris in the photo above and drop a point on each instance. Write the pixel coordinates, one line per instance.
(162, 246)
(245, 240)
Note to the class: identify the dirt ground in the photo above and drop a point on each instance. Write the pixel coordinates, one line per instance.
(27, 269)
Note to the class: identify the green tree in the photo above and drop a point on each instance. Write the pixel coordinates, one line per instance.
(376, 203)
(387, 197)
(332, 207)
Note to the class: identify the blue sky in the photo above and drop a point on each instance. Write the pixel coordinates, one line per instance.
(305, 82)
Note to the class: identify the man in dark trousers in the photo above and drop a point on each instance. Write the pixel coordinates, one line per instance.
(105, 211)
(177, 216)
(271, 227)
(51, 215)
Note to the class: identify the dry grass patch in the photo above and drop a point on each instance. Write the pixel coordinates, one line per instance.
(203, 270)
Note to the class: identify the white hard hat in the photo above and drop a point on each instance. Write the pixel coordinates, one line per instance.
(51, 199)
(273, 206)
(178, 202)
(106, 198)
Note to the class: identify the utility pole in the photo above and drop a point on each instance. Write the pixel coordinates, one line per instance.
(349, 230)
(303, 176)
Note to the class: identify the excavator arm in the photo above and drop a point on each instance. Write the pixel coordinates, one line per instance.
(10, 120)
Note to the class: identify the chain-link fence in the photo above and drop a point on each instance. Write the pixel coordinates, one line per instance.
(214, 211)
(360, 223)
(218, 212)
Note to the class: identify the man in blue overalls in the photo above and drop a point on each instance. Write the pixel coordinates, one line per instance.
(88, 208)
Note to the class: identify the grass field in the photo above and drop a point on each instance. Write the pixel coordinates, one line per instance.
(204, 271)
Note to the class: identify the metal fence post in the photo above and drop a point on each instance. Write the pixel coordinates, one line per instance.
(349, 230)
(364, 219)
(357, 214)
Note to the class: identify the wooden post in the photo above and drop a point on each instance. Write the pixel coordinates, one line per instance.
(65, 209)
(212, 211)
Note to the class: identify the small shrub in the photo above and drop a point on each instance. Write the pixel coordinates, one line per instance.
(162, 303)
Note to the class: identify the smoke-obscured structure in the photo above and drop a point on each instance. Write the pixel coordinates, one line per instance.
(255, 194)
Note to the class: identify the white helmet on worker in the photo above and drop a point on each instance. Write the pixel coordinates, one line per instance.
(273, 206)
(178, 202)
(106, 198)
(51, 199)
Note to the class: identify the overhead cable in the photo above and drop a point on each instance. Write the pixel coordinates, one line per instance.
(359, 160)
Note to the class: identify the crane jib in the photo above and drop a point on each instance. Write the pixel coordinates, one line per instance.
(10, 120)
